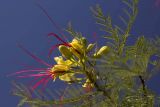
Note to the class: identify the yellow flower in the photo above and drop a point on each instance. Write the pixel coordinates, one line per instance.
(77, 48)
(60, 68)
(77, 45)
(59, 60)
(68, 77)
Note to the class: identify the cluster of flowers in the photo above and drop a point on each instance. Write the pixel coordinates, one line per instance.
(74, 56)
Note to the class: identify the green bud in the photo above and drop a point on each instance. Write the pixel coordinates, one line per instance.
(103, 50)
(84, 41)
(65, 51)
(90, 47)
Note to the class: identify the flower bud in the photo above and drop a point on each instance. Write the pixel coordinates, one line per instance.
(103, 50)
(90, 47)
(65, 51)
(77, 45)
(84, 41)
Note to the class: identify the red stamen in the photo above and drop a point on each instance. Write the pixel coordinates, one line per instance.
(60, 39)
(52, 21)
(33, 56)
(40, 82)
(46, 81)
(53, 47)
(24, 65)
(95, 36)
(33, 75)
(24, 71)
(32, 81)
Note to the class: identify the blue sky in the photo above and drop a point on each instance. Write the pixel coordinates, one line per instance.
(22, 21)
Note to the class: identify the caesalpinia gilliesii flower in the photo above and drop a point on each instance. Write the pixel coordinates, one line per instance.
(77, 47)
(64, 70)
(73, 52)
(62, 67)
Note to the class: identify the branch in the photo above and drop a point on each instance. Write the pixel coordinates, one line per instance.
(143, 85)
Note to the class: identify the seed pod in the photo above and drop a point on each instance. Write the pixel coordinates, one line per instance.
(103, 50)
(90, 47)
(65, 51)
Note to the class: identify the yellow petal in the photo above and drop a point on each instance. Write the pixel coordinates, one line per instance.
(77, 45)
(67, 77)
(60, 68)
(59, 60)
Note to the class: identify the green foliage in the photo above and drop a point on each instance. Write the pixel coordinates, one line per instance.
(119, 77)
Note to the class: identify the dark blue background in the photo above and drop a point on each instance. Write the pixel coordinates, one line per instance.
(22, 21)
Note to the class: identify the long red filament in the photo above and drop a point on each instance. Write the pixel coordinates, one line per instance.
(52, 21)
(33, 56)
(40, 81)
(32, 75)
(60, 39)
(53, 47)
(25, 71)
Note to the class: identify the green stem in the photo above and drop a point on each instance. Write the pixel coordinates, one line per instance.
(91, 78)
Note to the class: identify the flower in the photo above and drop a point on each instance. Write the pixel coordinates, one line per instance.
(59, 60)
(77, 48)
(58, 70)
(63, 69)
(77, 45)
(68, 77)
